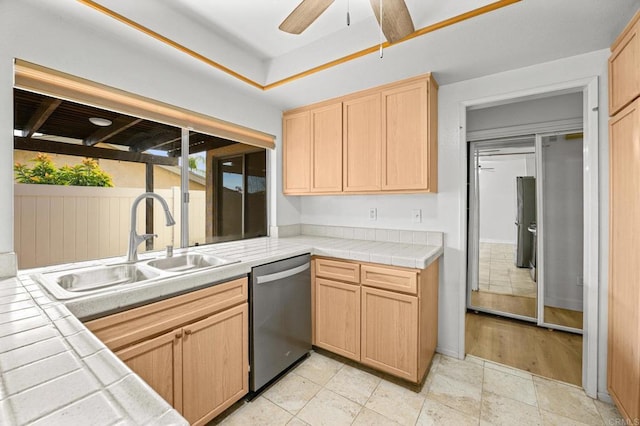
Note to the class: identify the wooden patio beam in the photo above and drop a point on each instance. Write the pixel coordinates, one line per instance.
(119, 124)
(41, 145)
(44, 111)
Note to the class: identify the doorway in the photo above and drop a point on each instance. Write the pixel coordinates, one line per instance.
(525, 253)
(589, 123)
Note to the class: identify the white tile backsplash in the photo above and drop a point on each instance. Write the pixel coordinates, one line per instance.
(432, 238)
(8, 265)
(382, 235)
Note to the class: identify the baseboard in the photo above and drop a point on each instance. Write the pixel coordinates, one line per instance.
(604, 396)
(447, 352)
(560, 302)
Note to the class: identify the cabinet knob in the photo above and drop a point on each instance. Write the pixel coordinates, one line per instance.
(187, 332)
(178, 334)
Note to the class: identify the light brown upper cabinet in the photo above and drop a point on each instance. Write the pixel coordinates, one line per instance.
(296, 153)
(326, 152)
(362, 144)
(388, 140)
(624, 66)
(406, 145)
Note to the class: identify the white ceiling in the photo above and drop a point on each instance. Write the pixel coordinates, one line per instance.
(253, 25)
(243, 35)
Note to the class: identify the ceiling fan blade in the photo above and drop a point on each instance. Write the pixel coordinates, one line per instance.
(304, 15)
(396, 20)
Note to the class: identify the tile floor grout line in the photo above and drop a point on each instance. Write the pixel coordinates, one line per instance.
(481, 391)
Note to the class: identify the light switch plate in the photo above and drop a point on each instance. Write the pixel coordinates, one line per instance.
(373, 213)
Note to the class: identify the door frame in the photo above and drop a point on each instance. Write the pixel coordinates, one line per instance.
(589, 88)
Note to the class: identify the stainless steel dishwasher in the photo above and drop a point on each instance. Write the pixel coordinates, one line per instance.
(280, 320)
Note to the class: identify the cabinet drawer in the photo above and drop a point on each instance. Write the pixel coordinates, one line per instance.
(390, 279)
(334, 269)
(124, 328)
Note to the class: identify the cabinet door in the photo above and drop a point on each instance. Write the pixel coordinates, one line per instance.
(326, 153)
(158, 362)
(405, 138)
(390, 332)
(337, 317)
(624, 274)
(624, 63)
(362, 144)
(216, 364)
(296, 153)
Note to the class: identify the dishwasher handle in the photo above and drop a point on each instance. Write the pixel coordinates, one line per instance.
(263, 279)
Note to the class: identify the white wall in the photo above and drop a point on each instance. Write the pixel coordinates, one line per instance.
(57, 36)
(532, 111)
(445, 211)
(498, 198)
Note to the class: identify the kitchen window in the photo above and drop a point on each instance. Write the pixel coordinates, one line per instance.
(58, 221)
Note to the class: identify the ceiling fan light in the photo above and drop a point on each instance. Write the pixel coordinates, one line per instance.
(102, 122)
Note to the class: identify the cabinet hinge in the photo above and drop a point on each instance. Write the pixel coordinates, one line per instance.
(249, 370)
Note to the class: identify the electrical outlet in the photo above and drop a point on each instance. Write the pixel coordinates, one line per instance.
(373, 213)
(579, 281)
(416, 215)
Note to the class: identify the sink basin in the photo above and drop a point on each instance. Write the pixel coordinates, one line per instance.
(105, 276)
(71, 284)
(188, 262)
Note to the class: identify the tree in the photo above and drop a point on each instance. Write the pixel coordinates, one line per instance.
(44, 172)
(193, 163)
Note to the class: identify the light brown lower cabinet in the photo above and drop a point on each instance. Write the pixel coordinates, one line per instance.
(390, 332)
(192, 349)
(386, 318)
(338, 317)
(158, 362)
(214, 367)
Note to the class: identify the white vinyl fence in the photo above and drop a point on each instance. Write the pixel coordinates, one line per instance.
(60, 224)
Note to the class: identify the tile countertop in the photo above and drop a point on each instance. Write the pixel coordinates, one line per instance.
(55, 371)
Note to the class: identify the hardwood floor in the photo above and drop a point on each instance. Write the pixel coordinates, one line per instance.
(553, 354)
(518, 305)
(525, 306)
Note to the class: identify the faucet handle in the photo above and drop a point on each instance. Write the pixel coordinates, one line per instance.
(148, 236)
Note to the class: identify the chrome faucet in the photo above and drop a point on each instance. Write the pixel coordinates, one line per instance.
(134, 238)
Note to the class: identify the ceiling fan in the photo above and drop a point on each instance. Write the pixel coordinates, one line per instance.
(396, 21)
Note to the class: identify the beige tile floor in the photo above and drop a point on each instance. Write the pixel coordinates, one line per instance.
(498, 273)
(326, 391)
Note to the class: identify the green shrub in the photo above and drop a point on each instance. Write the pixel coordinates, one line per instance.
(44, 172)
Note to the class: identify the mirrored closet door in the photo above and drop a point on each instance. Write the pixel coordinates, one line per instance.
(502, 227)
(525, 246)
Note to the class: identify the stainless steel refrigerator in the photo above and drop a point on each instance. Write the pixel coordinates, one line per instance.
(525, 216)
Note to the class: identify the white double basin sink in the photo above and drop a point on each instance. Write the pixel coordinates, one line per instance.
(72, 283)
